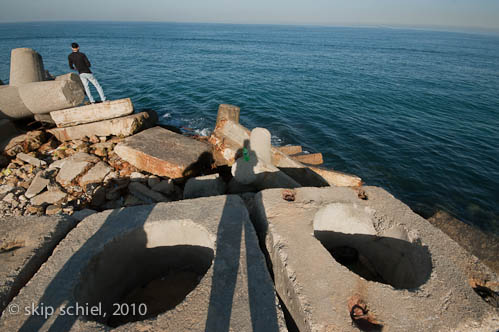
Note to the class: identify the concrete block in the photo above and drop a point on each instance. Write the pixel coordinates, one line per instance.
(38, 184)
(204, 186)
(96, 174)
(309, 158)
(70, 170)
(44, 97)
(39, 97)
(290, 149)
(164, 153)
(92, 113)
(11, 104)
(335, 178)
(46, 118)
(49, 197)
(260, 144)
(124, 126)
(228, 112)
(145, 194)
(31, 160)
(334, 255)
(26, 243)
(26, 66)
(195, 264)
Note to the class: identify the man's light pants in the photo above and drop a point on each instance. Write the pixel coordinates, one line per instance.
(85, 77)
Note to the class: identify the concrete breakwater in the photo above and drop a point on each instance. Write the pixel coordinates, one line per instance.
(226, 232)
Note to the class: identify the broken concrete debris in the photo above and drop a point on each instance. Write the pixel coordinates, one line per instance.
(337, 257)
(165, 153)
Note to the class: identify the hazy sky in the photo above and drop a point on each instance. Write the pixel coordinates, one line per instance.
(459, 13)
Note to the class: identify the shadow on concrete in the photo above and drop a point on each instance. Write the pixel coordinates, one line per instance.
(399, 263)
(225, 271)
(114, 269)
(51, 297)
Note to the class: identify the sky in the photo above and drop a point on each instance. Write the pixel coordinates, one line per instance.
(445, 13)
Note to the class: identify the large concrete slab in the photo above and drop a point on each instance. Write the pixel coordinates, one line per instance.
(26, 243)
(408, 274)
(157, 248)
(162, 152)
(124, 126)
(92, 113)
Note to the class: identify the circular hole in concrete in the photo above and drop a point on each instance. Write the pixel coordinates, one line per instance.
(347, 232)
(146, 272)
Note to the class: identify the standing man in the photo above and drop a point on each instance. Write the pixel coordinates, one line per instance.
(80, 61)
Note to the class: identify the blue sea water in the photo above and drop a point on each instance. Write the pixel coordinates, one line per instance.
(413, 111)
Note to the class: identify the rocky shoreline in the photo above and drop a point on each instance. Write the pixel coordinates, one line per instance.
(48, 177)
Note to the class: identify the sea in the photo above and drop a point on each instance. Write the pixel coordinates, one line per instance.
(415, 111)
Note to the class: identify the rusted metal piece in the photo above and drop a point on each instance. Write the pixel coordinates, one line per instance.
(288, 195)
(361, 316)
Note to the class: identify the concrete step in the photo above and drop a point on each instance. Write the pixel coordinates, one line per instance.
(92, 113)
(124, 126)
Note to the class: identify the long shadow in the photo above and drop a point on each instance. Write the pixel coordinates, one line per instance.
(226, 265)
(261, 296)
(52, 294)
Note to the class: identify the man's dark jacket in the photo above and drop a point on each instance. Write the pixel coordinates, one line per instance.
(80, 61)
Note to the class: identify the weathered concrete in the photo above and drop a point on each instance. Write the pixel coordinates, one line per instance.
(290, 149)
(160, 246)
(92, 113)
(482, 245)
(31, 160)
(38, 184)
(26, 66)
(229, 137)
(145, 194)
(26, 243)
(204, 186)
(309, 158)
(70, 170)
(44, 97)
(96, 174)
(335, 178)
(49, 197)
(162, 152)
(165, 186)
(39, 97)
(418, 277)
(11, 104)
(228, 112)
(260, 144)
(46, 118)
(124, 126)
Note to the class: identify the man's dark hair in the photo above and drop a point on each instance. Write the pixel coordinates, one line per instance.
(75, 45)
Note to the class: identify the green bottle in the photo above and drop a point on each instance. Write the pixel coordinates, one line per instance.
(245, 154)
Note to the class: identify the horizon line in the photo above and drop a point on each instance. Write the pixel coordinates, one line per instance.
(339, 24)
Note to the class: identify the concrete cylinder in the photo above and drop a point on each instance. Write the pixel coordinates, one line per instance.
(26, 66)
(48, 96)
(260, 143)
(11, 104)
